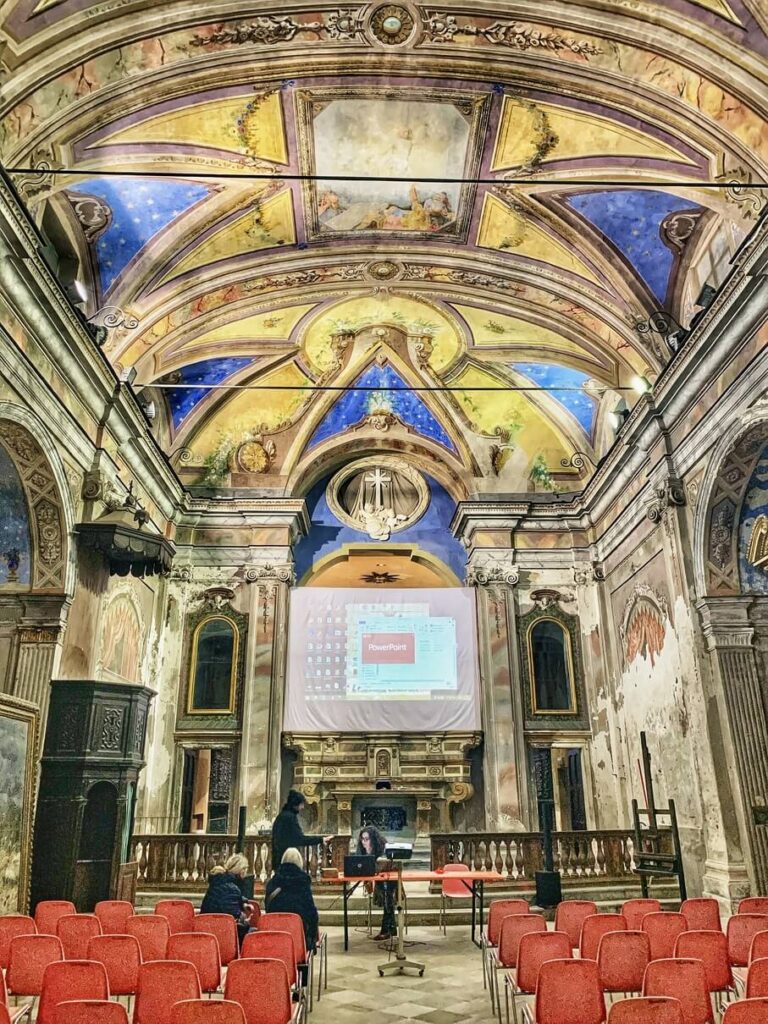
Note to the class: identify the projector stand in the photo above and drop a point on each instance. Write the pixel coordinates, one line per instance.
(401, 962)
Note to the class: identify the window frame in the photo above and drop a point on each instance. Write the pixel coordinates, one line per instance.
(573, 710)
(230, 708)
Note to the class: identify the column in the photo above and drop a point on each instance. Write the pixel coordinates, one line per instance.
(38, 648)
(729, 635)
(265, 681)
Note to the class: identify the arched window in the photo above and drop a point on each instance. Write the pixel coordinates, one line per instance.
(551, 663)
(213, 671)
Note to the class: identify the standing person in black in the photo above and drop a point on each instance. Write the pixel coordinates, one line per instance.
(371, 841)
(286, 830)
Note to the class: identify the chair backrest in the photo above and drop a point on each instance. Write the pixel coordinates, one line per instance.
(455, 886)
(757, 979)
(513, 928)
(224, 928)
(113, 915)
(30, 955)
(498, 910)
(12, 925)
(151, 932)
(75, 932)
(48, 912)
(569, 992)
(271, 945)
(5, 1017)
(121, 957)
(180, 914)
(741, 930)
(207, 1011)
(712, 949)
(291, 923)
(67, 980)
(200, 949)
(535, 949)
(269, 979)
(746, 1011)
(702, 914)
(90, 1011)
(621, 959)
(162, 984)
(570, 915)
(759, 948)
(684, 980)
(662, 929)
(594, 928)
(647, 1010)
(754, 905)
(635, 910)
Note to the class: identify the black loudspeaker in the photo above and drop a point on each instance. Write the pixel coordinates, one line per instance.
(549, 891)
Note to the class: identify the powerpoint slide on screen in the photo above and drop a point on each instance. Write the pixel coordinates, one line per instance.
(403, 660)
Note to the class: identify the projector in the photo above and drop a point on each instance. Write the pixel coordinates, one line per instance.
(398, 851)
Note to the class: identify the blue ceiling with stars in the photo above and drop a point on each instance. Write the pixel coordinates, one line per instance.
(566, 386)
(207, 373)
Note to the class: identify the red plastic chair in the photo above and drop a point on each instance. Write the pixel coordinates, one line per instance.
(534, 950)
(162, 984)
(271, 945)
(293, 924)
(754, 905)
(70, 979)
(113, 916)
(30, 955)
(504, 956)
(12, 925)
(648, 1010)
(12, 1013)
(121, 958)
(635, 910)
(702, 915)
(712, 949)
(207, 1011)
(568, 992)
(759, 947)
(48, 912)
(594, 928)
(75, 932)
(202, 950)
(663, 930)
(90, 1011)
(180, 914)
(570, 916)
(489, 939)
(741, 931)
(224, 928)
(451, 889)
(684, 980)
(622, 958)
(746, 1011)
(757, 979)
(263, 990)
(151, 932)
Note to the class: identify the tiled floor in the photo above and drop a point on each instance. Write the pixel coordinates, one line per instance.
(450, 991)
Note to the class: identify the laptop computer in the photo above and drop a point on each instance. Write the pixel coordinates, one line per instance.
(360, 865)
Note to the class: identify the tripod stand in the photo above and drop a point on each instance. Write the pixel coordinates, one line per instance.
(401, 962)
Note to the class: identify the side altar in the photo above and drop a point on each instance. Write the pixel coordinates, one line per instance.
(425, 776)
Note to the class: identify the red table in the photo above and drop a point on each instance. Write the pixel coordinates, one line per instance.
(473, 880)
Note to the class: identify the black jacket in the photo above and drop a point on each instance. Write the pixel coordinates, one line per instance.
(223, 896)
(289, 891)
(286, 832)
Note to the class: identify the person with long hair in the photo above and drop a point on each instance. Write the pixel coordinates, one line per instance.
(372, 842)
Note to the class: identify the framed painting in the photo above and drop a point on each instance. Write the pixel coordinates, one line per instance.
(19, 728)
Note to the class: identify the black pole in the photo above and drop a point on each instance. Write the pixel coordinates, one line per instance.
(548, 884)
(240, 844)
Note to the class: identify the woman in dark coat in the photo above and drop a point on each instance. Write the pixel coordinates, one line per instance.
(371, 841)
(289, 891)
(224, 895)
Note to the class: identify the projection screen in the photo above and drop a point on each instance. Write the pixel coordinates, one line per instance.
(391, 661)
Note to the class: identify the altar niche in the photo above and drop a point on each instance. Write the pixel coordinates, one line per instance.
(391, 813)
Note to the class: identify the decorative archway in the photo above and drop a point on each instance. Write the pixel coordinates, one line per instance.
(380, 565)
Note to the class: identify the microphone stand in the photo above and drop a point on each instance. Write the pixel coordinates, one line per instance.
(401, 962)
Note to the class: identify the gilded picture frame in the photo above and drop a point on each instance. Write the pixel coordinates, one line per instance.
(230, 709)
(19, 743)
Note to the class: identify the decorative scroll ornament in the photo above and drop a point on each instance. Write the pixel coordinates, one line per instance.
(268, 30)
(113, 316)
(443, 28)
(93, 214)
(218, 597)
(670, 493)
(678, 227)
(739, 190)
(40, 179)
(584, 574)
(265, 573)
(665, 326)
(579, 460)
(491, 575)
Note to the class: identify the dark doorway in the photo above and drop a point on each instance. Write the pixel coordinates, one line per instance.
(188, 789)
(93, 870)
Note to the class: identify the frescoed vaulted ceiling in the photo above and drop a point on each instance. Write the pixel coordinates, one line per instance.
(384, 224)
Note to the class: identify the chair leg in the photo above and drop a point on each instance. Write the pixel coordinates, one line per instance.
(311, 980)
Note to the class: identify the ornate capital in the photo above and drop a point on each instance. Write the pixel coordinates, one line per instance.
(38, 635)
(726, 622)
(269, 574)
(492, 575)
(584, 574)
(667, 494)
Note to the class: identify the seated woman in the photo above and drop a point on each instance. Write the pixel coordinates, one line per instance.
(371, 841)
(289, 891)
(224, 895)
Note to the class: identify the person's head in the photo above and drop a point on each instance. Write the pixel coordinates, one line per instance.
(218, 869)
(236, 865)
(371, 841)
(292, 856)
(294, 801)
